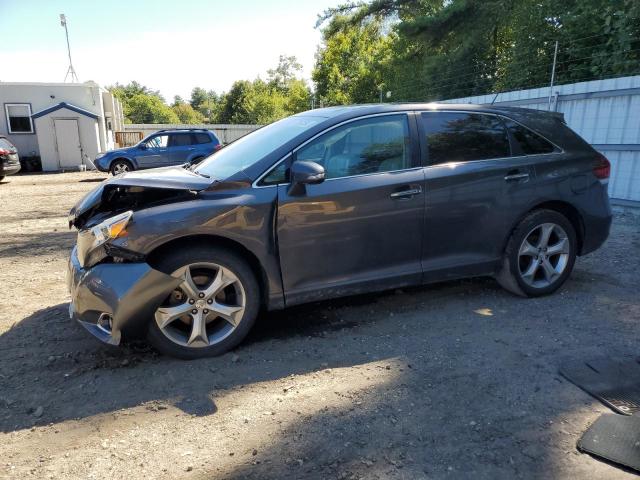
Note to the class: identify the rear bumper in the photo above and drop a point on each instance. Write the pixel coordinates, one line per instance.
(9, 168)
(110, 298)
(597, 222)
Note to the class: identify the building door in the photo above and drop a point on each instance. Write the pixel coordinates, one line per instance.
(68, 142)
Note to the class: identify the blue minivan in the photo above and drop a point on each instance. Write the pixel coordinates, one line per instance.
(160, 149)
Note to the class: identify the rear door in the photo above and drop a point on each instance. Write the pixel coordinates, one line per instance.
(475, 190)
(205, 144)
(361, 229)
(180, 148)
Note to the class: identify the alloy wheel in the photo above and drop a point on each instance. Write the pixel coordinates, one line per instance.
(543, 255)
(205, 308)
(119, 168)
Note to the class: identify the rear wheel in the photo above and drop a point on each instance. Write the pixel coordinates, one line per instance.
(121, 166)
(213, 308)
(540, 254)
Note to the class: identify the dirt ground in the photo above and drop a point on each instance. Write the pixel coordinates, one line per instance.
(455, 380)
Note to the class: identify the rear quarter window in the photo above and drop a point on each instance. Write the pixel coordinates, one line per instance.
(201, 138)
(527, 142)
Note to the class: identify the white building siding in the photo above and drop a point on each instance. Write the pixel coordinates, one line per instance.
(606, 113)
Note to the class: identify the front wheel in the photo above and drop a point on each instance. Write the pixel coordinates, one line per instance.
(121, 166)
(212, 310)
(540, 254)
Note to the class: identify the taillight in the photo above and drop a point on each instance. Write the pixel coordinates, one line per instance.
(4, 152)
(602, 169)
(217, 147)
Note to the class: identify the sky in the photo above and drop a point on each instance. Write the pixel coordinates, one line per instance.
(167, 45)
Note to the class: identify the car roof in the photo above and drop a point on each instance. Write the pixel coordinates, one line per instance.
(349, 111)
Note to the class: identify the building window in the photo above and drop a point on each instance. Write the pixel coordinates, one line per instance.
(19, 117)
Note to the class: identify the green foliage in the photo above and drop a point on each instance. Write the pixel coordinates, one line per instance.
(186, 114)
(143, 108)
(260, 102)
(251, 102)
(441, 49)
(204, 101)
(140, 104)
(351, 63)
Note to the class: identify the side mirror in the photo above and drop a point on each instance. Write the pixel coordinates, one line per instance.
(305, 173)
(142, 146)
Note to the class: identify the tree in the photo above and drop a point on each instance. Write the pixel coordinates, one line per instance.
(454, 48)
(286, 71)
(187, 114)
(350, 64)
(126, 92)
(262, 102)
(204, 101)
(144, 108)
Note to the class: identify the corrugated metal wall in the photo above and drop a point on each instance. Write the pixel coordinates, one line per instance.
(606, 113)
(226, 133)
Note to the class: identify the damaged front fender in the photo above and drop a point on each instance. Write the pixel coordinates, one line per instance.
(127, 294)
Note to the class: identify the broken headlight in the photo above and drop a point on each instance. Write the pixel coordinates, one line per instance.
(111, 228)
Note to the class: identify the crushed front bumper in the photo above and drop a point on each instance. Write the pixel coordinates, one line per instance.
(110, 298)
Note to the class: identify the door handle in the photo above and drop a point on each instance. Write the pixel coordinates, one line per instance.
(510, 177)
(406, 193)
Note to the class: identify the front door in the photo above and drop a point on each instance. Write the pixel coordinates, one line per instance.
(475, 190)
(68, 142)
(361, 229)
(156, 153)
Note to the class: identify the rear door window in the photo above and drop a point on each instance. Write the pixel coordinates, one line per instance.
(527, 142)
(463, 137)
(180, 140)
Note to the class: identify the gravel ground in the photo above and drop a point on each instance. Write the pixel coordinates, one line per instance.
(454, 380)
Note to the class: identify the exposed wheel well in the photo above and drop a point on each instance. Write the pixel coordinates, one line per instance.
(566, 209)
(154, 256)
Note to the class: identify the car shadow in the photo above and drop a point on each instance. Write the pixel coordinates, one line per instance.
(71, 375)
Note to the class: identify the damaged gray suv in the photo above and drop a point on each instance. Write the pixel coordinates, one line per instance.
(335, 202)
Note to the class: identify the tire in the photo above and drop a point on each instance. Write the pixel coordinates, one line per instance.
(120, 166)
(1, 178)
(177, 338)
(520, 274)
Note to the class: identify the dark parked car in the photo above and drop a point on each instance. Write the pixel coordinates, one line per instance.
(160, 149)
(9, 161)
(335, 202)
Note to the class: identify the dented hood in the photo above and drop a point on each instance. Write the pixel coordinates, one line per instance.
(136, 189)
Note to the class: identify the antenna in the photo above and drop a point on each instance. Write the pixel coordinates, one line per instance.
(70, 70)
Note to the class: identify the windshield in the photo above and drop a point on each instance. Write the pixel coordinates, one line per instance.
(247, 150)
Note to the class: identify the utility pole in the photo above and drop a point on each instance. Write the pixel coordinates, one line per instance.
(70, 71)
(553, 73)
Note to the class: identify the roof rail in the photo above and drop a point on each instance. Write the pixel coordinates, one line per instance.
(182, 129)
